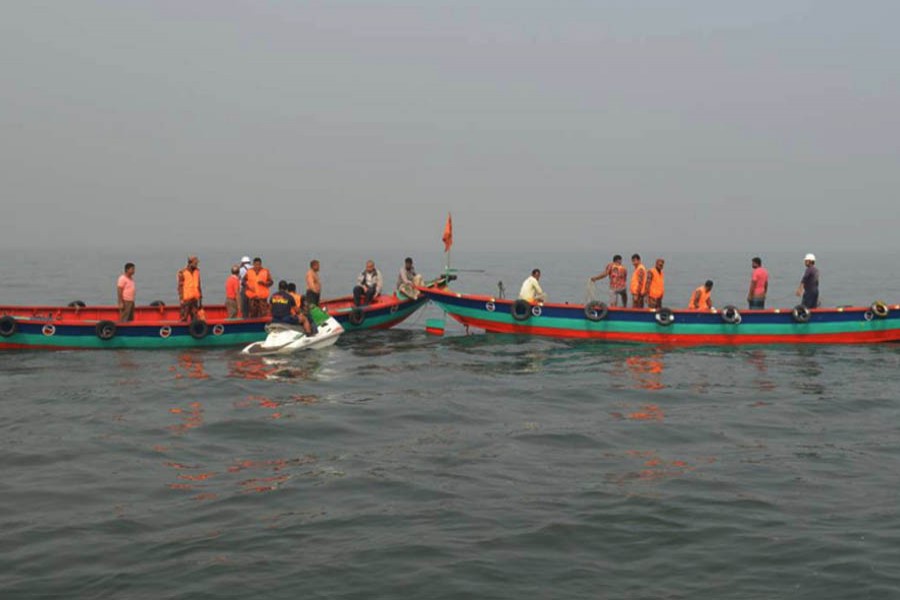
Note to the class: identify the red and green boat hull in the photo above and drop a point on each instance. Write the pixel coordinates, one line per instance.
(849, 325)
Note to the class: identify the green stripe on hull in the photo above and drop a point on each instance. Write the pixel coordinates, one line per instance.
(77, 342)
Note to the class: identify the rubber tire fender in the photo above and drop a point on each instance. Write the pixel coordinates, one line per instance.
(158, 303)
(801, 314)
(198, 329)
(105, 330)
(665, 316)
(595, 311)
(8, 326)
(77, 304)
(520, 310)
(880, 309)
(731, 315)
(357, 316)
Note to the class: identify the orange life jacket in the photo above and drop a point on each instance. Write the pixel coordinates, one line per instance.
(190, 284)
(297, 301)
(657, 285)
(638, 280)
(256, 287)
(700, 299)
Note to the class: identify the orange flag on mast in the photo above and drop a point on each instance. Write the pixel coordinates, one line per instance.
(448, 234)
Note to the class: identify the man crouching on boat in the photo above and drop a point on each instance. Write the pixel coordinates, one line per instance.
(285, 309)
(531, 288)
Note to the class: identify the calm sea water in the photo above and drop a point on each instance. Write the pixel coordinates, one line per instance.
(397, 464)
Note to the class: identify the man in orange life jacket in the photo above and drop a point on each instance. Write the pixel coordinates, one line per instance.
(190, 293)
(258, 282)
(655, 287)
(701, 299)
(638, 282)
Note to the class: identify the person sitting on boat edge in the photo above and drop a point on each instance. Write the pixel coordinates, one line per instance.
(284, 308)
(313, 283)
(618, 276)
(125, 293)
(759, 285)
(655, 288)
(701, 299)
(408, 279)
(190, 293)
(232, 292)
(531, 288)
(368, 285)
(809, 284)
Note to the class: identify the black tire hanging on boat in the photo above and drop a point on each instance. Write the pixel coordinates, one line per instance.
(8, 326)
(880, 309)
(77, 304)
(158, 303)
(520, 310)
(198, 329)
(595, 311)
(731, 315)
(357, 316)
(665, 316)
(106, 330)
(801, 314)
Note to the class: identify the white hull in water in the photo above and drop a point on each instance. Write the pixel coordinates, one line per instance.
(287, 339)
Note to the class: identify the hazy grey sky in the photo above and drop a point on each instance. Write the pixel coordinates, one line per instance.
(595, 125)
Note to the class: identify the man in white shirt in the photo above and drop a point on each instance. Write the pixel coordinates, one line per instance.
(531, 290)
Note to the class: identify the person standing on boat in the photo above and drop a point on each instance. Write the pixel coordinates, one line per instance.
(638, 282)
(408, 279)
(125, 293)
(259, 280)
(313, 284)
(656, 285)
(190, 293)
(531, 288)
(368, 285)
(246, 265)
(701, 299)
(759, 285)
(232, 292)
(809, 284)
(618, 281)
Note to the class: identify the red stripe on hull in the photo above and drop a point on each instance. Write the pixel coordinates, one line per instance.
(684, 339)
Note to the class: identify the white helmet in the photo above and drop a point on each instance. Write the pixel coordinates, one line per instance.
(811, 257)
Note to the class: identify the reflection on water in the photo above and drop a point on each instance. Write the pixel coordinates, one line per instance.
(303, 366)
(190, 364)
(646, 371)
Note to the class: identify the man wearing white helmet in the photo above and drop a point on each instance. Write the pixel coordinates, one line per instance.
(809, 284)
(246, 264)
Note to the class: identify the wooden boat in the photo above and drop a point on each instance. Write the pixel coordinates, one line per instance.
(76, 327)
(729, 326)
(385, 311)
(91, 327)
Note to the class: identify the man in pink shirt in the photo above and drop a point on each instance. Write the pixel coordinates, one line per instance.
(125, 293)
(759, 285)
(232, 288)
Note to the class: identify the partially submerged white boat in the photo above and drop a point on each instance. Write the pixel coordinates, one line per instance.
(283, 338)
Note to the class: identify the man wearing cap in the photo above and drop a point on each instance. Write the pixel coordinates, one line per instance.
(809, 284)
(245, 300)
